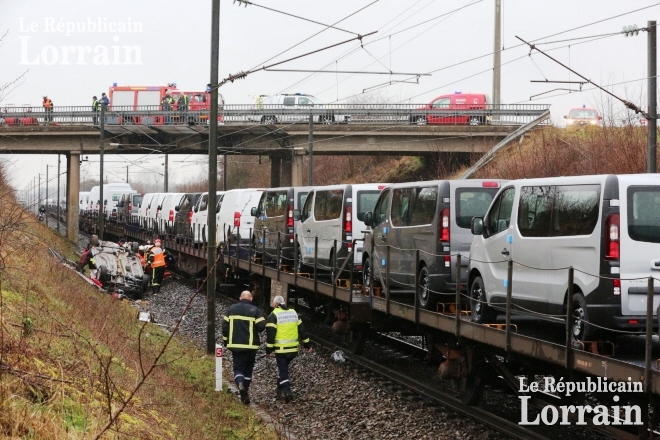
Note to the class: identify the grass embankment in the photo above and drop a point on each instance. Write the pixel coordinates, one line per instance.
(555, 151)
(71, 357)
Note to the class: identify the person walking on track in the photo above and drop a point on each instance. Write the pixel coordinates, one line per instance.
(241, 326)
(284, 330)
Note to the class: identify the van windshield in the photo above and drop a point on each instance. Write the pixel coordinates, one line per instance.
(366, 201)
(644, 213)
(472, 202)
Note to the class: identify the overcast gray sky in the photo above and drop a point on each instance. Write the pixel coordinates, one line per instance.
(172, 43)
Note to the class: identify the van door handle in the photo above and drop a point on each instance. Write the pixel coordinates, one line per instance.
(308, 231)
(505, 252)
(383, 237)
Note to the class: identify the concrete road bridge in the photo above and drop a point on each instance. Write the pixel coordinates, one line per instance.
(282, 133)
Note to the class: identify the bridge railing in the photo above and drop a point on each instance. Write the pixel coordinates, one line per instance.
(390, 114)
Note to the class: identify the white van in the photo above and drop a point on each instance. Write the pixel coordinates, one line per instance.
(93, 202)
(607, 227)
(142, 209)
(83, 200)
(234, 218)
(152, 214)
(334, 212)
(112, 194)
(199, 221)
(167, 212)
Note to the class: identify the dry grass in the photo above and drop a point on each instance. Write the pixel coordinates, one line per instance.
(71, 356)
(568, 152)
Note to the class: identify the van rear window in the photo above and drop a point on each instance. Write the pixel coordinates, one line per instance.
(472, 202)
(137, 200)
(366, 200)
(644, 213)
(274, 203)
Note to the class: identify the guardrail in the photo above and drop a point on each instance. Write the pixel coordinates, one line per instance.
(392, 114)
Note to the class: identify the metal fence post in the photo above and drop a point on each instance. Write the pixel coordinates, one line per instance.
(279, 253)
(416, 287)
(335, 276)
(295, 265)
(350, 281)
(458, 295)
(387, 280)
(316, 257)
(569, 321)
(509, 286)
(649, 335)
(250, 252)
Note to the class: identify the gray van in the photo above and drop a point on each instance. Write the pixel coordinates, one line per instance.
(433, 216)
(274, 219)
(183, 216)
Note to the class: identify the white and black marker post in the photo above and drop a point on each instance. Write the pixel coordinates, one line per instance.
(218, 367)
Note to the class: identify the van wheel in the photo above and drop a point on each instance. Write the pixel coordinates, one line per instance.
(420, 120)
(366, 275)
(269, 119)
(581, 330)
(327, 119)
(481, 311)
(426, 297)
(474, 120)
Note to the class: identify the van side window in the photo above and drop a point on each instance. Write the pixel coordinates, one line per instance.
(534, 211)
(289, 101)
(499, 216)
(575, 210)
(424, 206)
(328, 204)
(307, 209)
(380, 210)
(203, 202)
(558, 211)
(441, 103)
(401, 198)
(644, 213)
(302, 196)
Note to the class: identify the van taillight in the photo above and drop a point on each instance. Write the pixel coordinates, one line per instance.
(490, 184)
(237, 219)
(616, 287)
(289, 217)
(612, 237)
(447, 260)
(190, 214)
(348, 220)
(444, 225)
(130, 207)
(171, 215)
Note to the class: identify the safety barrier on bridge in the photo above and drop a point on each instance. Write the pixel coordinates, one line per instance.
(390, 114)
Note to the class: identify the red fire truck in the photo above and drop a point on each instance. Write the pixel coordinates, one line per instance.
(149, 99)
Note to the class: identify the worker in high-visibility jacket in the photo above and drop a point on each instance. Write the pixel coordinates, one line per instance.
(156, 260)
(241, 326)
(284, 333)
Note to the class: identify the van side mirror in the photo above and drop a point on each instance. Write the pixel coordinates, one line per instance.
(253, 211)
(368, 218)
(176, 208)
(565, 117)
(296, 214)
(360, 216)
(477, 226)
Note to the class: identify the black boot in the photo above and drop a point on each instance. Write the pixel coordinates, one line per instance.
(288, 396)
(242, 390)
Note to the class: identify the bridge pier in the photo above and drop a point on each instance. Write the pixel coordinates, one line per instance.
(296, 170)
(286, 177)
(72, 195)
(275, 173)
